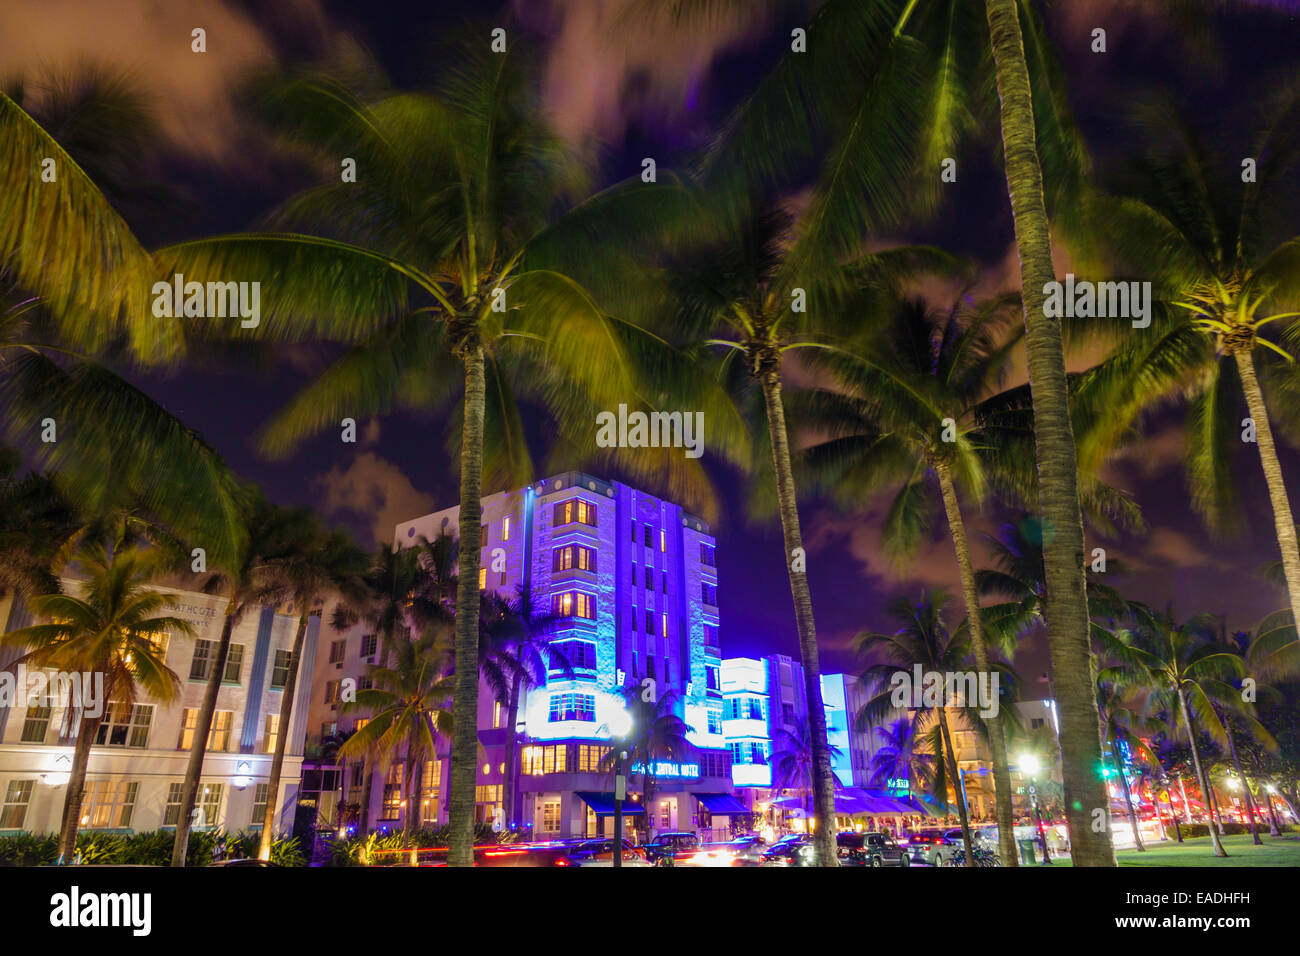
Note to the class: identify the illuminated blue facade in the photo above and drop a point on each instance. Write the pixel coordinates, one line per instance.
(635, 580)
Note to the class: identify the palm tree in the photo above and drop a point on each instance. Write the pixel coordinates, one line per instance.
(407, 711)
(517, 655)
(1188, 664)
(1122, 717)
(114, 627)
(35, 521)
(73, 304)
(441, 266)
(792, 762)
(321, 563)
(895, 84)
(657, 733)
(909, 404)
(903, 755)
(272, 536)
(923, 638)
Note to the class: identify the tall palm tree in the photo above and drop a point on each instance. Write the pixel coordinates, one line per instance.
(407, 711)
(923, 638)
(888, 138)
(909, 404)
(1224, 261)
(257, 576)
(114, 626)
(445, 269)
(516, 656)
(792, 761)
(1188, 664)
(319, 564)
(1123, 716)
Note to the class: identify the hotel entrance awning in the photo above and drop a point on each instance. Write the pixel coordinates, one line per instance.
(603, 803)
(721, 803)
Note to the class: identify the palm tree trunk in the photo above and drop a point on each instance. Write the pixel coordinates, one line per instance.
(950, 757)
(512, 716)
(1282, 519)
(464, 741)
(412, 805)
(1058, 493)
(1245, 783)
(1200, 773)
(199, 747)
(997, 739)
(1128, 796)
(1187, 810)
(1178, 832)
(1214, 804)
(795, 558)
(648, 793)
(76, 788)
(363, 816)
(282, 738)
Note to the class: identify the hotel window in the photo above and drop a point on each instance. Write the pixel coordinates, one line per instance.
(482, 534)
(590, 756)
(663, 620)
(551, 758)
(108, 803)
(429, 786)
(36, 724)
(365, 683)
(369, 644)
(358, 775)
(649, 666)
(280, 669)
(712, 676)
(332, 691)
(496, 714)
(787, 714)
(482, 578)
(125, 726)
(710, 635)
(573, 556)
(208, 805)
(551, 816)
(650, 622)
(392, 806)
(218, 734)
(706, 555)
(486, 800)
(328, 729)
(572, 707)
(234, 661)
(271, 734)
(338, 650)
(205, 652)
(665, 582)
(574, 604)
(634, 532)
(649, 579)
(709, 593)
(172, 813)
(646, 538)
(663, 540)
(578, 654)
(634, 620)
(260, 794)
(714, 718)
(575, 510)
(505, 528)
(14, 810)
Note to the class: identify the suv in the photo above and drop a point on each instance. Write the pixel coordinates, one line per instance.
(794, 850)
(870, 849)
(666, 847)
(931, 847)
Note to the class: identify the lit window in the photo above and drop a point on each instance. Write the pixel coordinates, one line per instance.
(575, 510)
(108, 803)
(14, 809)
(574, 604)
(572, 707)
(496, 713)
(663, 540)
(36, 724)
(505, 528)
(272, 733)
(663, 618)
(482, 578)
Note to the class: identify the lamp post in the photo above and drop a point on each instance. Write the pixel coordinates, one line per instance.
(1029, 765)
(620, 726)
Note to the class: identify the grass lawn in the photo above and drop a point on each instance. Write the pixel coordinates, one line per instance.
(1276, 851)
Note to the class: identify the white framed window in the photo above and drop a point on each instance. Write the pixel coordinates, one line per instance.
(18, 795)
(125, 726)
(260, 793)
(271, 734)
(109, 803)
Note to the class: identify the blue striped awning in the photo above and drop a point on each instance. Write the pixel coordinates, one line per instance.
(603, 803)
(721, 803)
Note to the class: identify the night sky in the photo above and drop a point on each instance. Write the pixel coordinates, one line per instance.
(659, 96)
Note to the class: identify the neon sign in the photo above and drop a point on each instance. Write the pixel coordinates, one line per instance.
(665, 769)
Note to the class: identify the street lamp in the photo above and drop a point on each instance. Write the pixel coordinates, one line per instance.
(1029, 765)
(620, 725)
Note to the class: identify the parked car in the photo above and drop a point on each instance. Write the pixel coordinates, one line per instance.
(742, 851)
(794, 850)
(870, 849)
(601, 853)
(931, 847)
(985, 835)
(545, 854)
(665, 848)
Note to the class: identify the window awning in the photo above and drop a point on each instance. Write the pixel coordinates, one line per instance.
(603, 803)
(721, 803)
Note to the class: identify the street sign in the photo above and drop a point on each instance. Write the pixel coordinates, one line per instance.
(1032, 791)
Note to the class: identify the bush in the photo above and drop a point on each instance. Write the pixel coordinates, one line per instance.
(152, 848)
(1229, 827)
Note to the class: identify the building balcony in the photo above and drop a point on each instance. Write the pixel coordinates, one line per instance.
(744, 728)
